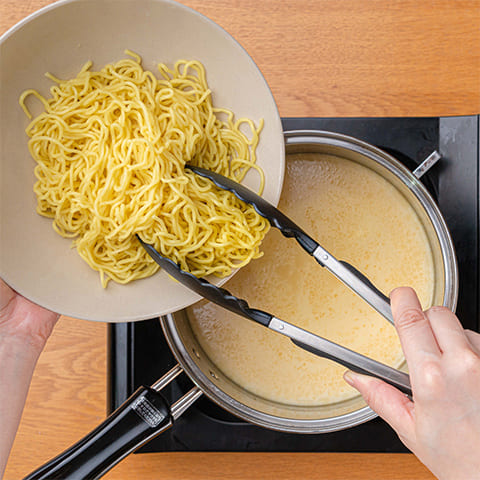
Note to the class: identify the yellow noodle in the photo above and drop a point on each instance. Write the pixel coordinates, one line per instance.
(111, 147)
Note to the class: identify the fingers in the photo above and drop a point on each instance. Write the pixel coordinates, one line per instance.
(6, 296)
(447, 329)
(474, 339)
(22, 319)
(414, 329)
(388, 402)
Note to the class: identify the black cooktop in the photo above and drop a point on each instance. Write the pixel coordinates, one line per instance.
(138, 352)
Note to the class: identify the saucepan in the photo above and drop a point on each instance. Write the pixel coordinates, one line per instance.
(145, 414)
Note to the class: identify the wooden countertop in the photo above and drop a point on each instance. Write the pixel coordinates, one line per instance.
(321, 58)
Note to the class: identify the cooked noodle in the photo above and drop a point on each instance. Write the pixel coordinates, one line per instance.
(110, 150)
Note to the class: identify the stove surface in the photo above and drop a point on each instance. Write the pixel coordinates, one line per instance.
(138, 353)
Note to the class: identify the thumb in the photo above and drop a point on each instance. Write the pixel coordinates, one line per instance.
(387, 402)
(6, 296)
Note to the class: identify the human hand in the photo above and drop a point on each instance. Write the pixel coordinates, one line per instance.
(442, 424)
(24, 329)
(22, 321)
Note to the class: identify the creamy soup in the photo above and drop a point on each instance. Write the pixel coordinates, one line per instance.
(359, 217)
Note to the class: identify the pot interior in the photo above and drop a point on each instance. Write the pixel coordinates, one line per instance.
(350, 412)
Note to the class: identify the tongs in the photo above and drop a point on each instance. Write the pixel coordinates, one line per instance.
(344, 271)
(300, 337)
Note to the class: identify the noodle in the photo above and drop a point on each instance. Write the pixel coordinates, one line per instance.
(111, 147)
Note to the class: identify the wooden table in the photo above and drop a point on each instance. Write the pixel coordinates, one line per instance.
(321, 58)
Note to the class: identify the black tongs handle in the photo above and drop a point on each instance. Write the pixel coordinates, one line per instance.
(345, 272)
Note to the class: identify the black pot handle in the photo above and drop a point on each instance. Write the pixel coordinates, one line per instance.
(143, 416)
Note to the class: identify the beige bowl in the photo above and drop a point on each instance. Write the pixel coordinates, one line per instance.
(60, 38)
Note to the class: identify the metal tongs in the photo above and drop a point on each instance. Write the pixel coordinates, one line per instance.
(300, 337)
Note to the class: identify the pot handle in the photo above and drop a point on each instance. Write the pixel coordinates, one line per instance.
(143, 416)
(427, 164)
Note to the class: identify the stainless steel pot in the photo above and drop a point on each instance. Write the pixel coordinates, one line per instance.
(326, 418)
(145, 415)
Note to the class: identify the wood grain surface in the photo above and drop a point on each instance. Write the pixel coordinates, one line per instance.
(321, 58)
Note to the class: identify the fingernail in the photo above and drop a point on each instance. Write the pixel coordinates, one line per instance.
(350, 377)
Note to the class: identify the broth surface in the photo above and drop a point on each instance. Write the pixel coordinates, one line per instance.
(359, 217)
